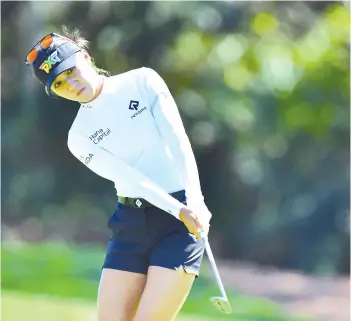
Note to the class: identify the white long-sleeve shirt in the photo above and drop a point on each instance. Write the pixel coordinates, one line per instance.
(132, 134)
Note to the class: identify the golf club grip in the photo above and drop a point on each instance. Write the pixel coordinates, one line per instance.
(214, 266)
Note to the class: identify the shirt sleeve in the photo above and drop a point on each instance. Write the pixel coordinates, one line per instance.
(170, 125)
(125, 177)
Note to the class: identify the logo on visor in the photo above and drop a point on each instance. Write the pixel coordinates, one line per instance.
(50, 62)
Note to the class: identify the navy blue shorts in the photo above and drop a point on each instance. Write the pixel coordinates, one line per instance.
(150, 237)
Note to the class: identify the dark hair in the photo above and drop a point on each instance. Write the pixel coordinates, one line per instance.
(75, 35)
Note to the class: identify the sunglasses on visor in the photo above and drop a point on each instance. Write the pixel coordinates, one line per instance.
(44, 43)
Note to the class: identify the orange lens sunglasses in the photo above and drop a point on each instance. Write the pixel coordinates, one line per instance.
(42, 44)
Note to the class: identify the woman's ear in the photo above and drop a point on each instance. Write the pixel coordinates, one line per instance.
(86, 55)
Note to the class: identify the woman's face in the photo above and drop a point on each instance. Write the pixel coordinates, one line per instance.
(79, 83)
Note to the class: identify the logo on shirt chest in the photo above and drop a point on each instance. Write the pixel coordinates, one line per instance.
(134, 105)
(99, 135)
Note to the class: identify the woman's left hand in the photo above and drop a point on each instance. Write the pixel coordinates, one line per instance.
(192, 222)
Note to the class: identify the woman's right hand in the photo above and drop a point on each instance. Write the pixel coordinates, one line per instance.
(191, 221)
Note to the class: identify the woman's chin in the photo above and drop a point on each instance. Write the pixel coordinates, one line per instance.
(85, 97)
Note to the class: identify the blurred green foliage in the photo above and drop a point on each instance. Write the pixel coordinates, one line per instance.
(263, 89)
(56, 270)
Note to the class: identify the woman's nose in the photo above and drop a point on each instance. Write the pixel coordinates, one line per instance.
(72, 84)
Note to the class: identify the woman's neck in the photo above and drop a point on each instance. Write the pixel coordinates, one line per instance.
(99, 87)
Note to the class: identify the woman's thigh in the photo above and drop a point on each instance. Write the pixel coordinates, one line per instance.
(165, 292)
(119, 294)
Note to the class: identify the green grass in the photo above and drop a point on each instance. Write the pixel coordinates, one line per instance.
(16, 306)
(55, 282)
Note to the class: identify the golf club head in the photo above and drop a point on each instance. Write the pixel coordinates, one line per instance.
(221, 304)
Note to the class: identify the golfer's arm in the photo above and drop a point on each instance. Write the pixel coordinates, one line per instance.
(125, 177)
(170, 125)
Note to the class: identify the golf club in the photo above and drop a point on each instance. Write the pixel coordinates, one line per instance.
(220, 302)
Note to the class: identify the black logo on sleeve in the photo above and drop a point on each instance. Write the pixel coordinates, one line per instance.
(86, 159)
(133, 105)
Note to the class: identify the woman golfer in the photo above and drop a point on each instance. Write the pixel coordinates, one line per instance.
(128, 130)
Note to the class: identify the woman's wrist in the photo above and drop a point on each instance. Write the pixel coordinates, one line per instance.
(184, 211)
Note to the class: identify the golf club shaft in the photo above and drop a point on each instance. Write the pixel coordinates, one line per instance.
(213, 265)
